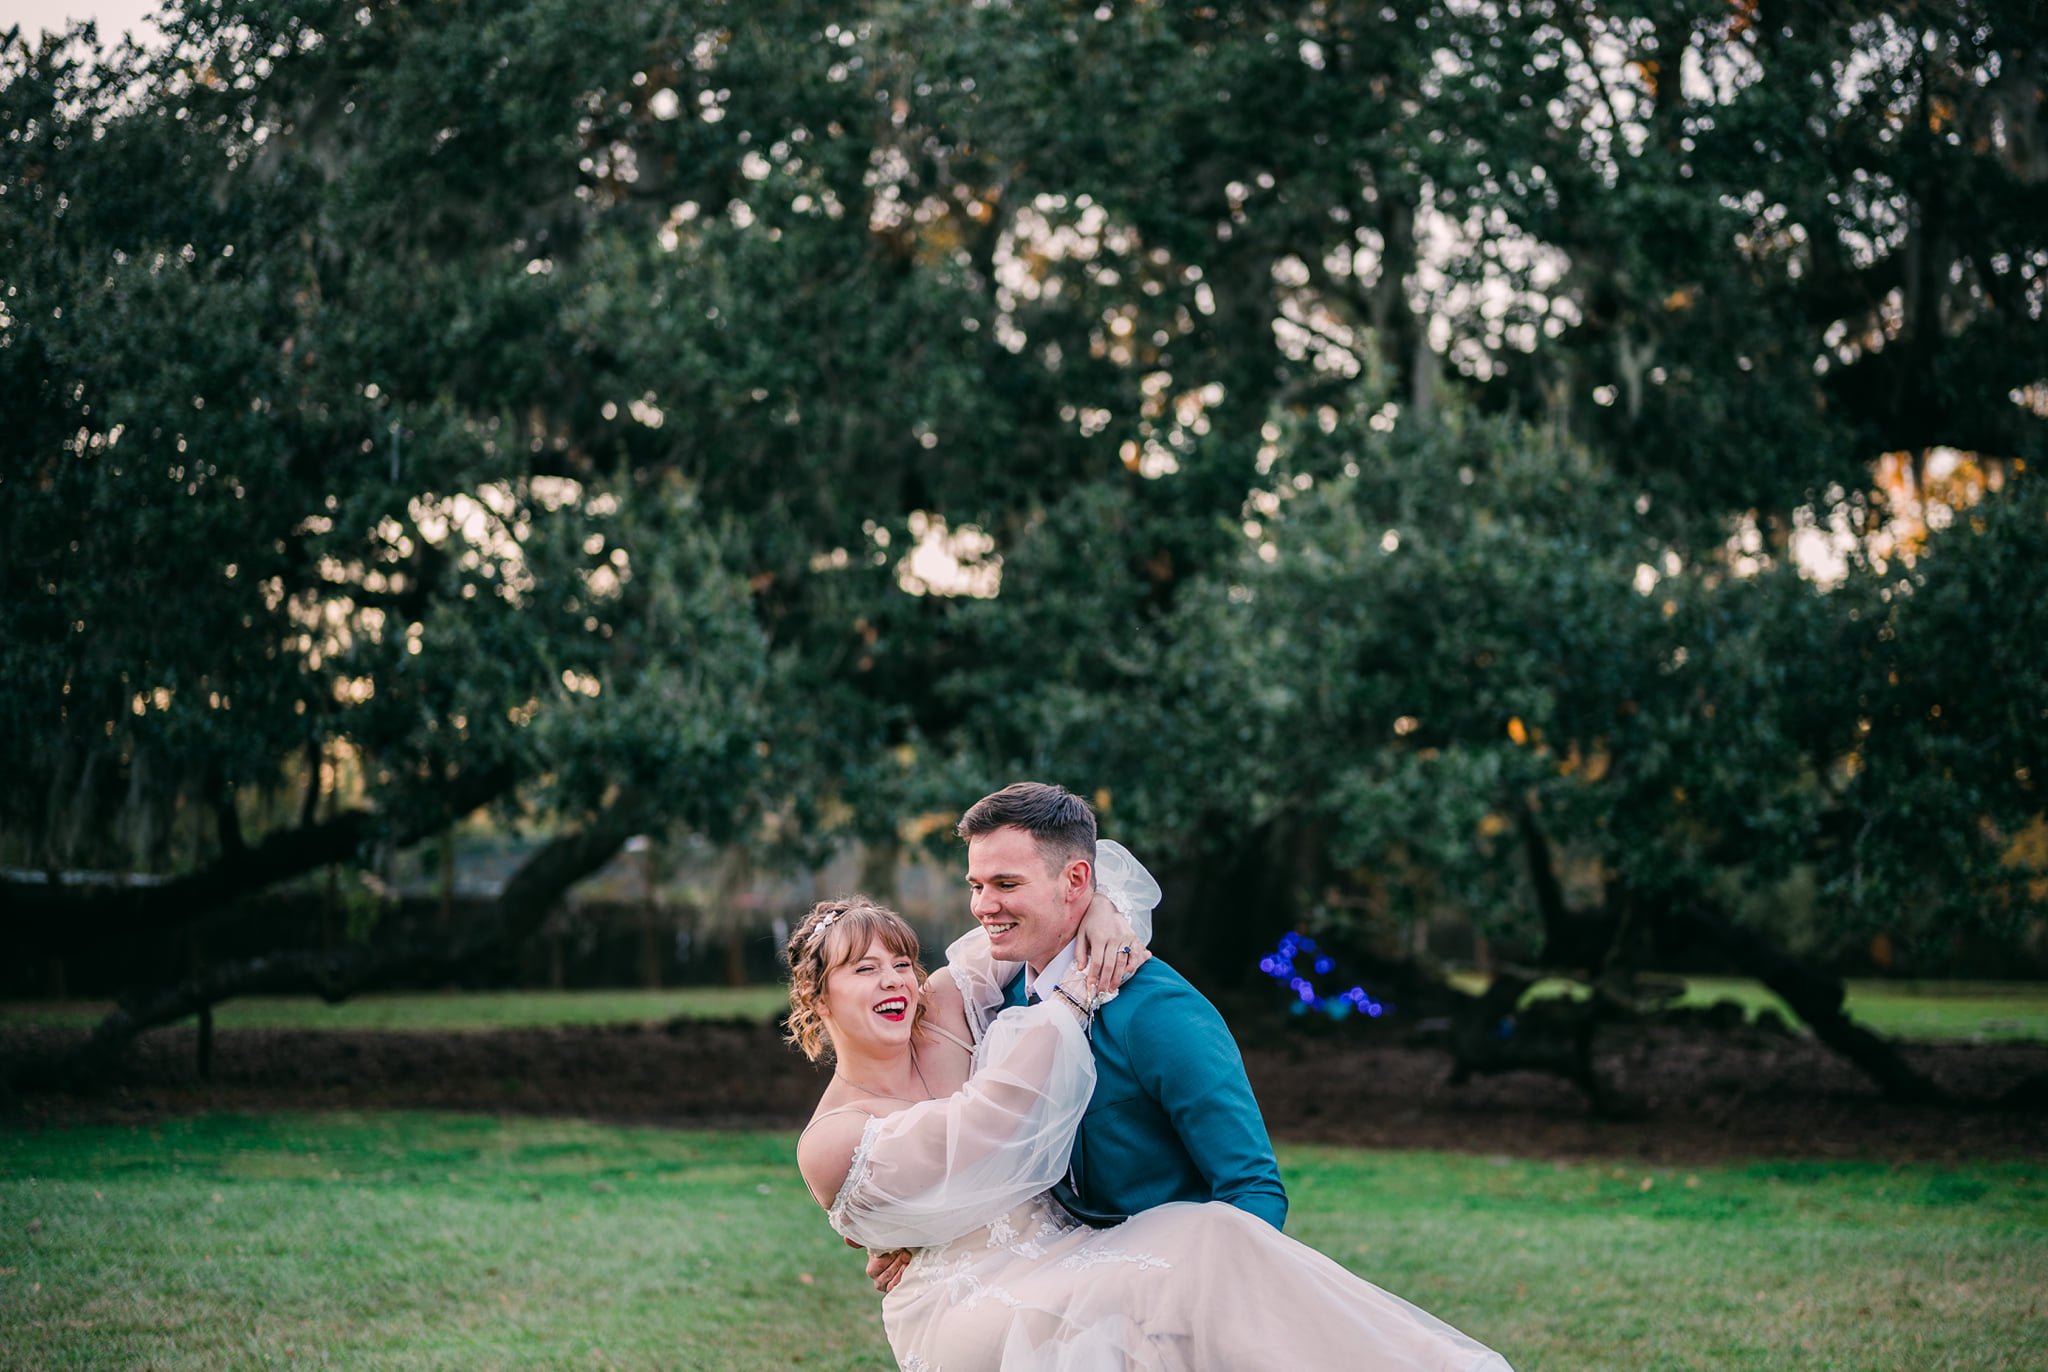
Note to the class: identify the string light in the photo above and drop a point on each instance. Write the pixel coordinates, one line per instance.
(1286, 964)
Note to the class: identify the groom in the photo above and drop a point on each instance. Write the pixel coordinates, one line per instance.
(1172, 1117)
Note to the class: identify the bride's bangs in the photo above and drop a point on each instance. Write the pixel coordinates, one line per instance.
(845, 941)
(896, 934)
(853, 933)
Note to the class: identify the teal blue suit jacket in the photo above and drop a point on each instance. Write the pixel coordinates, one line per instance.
(1172, 1117)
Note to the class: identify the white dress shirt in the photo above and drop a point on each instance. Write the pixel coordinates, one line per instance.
(1056, 967)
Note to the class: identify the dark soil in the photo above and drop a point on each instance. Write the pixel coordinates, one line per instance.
(1705, 1095)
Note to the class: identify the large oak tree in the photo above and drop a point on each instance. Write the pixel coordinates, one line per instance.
(1373, 445)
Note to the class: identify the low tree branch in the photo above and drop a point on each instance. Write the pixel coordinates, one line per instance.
(410, 957)
(54, 915)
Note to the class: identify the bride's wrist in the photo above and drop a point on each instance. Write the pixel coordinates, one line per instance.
(1077, 1005)
(1073, 989)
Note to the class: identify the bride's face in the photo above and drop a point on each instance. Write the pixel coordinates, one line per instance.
(872, 1000)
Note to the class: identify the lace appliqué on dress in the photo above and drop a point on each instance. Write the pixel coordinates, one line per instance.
(1096, 1257)
(956, 1276)
(1003, 1234)
(856, 1173)
(1052, 1223)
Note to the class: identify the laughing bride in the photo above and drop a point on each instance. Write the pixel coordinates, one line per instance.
(924, 1142)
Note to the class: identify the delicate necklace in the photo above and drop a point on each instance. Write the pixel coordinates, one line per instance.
(885, 1095)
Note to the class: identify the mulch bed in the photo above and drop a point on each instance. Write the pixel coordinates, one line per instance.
(1707, 1096)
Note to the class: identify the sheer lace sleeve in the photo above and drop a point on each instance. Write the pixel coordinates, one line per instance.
(931, 1173)
(1125, 881)
(981, 977)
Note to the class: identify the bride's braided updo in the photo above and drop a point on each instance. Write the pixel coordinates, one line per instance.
(833, 934)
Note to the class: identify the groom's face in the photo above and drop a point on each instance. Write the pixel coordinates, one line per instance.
(1027, 905)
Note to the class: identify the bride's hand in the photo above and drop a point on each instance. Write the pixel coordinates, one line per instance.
(885, 1269)
(1106, 947)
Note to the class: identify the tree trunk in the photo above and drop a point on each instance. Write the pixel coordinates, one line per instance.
(1817, 997)
(1224, 910)
(1402, 334)
(736, 958)
(205, 1063)
(735, 875)
(204, 1045)
(1490, 1035)
(1571, 938)
(878, 863)
(650, 920)
(447, 846)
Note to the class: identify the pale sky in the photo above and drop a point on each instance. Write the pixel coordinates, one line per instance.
(39, 16)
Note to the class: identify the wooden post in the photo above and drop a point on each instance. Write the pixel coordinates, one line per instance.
(730, 908)
(736, 957)
(205, 1044)
(650, 929)
(448, 877)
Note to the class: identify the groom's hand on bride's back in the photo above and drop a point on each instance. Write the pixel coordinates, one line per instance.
(885, 1269)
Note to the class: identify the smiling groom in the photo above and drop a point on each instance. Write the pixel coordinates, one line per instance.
(1172, 1117)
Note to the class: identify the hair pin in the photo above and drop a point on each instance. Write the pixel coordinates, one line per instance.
(824, 923)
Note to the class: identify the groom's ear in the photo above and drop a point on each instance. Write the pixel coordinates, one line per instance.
(1077, 881)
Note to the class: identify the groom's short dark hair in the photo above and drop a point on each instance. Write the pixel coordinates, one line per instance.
(1062, 822)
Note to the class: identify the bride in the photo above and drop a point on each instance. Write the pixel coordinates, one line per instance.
(925, 1142)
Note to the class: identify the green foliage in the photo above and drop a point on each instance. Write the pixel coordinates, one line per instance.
(1440, 633)
(651, 350)
(1953, 699)
(289, 482)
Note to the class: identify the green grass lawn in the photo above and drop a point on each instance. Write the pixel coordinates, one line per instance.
(1916, 1010)
(1912, 1009)
(1968, 1010)
(423, 1241)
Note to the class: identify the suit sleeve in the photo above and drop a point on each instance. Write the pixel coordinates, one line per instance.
(1184, 1057)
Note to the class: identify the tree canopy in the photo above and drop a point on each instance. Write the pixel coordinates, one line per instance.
(1572, 464)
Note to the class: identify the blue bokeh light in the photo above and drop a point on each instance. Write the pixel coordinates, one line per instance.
(1280, 964)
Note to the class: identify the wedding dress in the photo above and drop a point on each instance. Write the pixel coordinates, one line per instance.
(1003, 1278)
